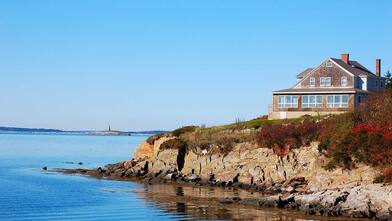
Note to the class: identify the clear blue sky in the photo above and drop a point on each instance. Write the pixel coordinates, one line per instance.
(137, 65)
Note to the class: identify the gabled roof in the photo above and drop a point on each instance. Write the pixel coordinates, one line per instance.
(354, 67)
(304, 73)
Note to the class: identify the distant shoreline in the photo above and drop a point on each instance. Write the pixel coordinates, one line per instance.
(18, 130)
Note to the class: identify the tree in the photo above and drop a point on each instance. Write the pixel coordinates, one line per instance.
(388, 82)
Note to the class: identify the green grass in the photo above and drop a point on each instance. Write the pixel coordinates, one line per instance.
(254, 124)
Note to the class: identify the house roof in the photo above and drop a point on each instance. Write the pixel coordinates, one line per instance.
(354, 67)
(320, 91)
(304, 73)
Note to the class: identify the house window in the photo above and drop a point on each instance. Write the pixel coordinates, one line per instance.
(343, 81)
(309, 101)
(288, 101)
(359, 99)
(312, 81)
(325, 81)
(328, 64)
(337, 101)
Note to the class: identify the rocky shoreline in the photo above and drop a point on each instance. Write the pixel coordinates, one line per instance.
(297, 181)
(359, 201)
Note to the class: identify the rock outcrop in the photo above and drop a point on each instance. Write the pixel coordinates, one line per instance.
(297, 180)
(257, 165)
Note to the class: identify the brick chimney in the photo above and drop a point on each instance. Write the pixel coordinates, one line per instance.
(346, 58)
(378, 67)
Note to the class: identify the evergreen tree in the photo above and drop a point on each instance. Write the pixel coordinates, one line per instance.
(388, 82)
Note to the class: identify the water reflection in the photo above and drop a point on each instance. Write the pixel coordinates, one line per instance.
(179, 190)
(202, 203)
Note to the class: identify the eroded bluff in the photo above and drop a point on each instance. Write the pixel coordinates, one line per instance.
(250, 164)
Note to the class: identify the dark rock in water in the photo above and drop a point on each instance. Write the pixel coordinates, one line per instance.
(285, 202)
(306, 208)
(129, 172)
(212, 178)
(145, 168)
(235, 180)
(271, 201)
(157, 174)
(80, 163)
(193, 178)
(174, 177)
(230, 200)
(100, 170)
(250, 201)
(45, 168)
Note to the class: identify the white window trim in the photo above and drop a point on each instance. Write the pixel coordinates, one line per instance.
(339, 104)
(289, 104)
(314, 104)
(328, 64)
(341, 81)
(330, 82)
(312, 79)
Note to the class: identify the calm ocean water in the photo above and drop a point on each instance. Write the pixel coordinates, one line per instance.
(28, 193)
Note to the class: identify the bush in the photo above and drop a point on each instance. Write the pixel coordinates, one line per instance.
(173, 144)
(364, 136)
(264, 117)
(182, 130)
(283, 137)
(151, 140)
(376, 109)
(333, 129)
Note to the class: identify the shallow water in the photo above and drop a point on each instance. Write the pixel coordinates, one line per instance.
(29, 193)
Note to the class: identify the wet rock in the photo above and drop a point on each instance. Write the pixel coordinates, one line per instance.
(192, 178)
(119, 172)
(212, 178)
(129, 172)
(250, 201)
(235, 179)
(230, 200)
(159, 172)
(269, 201)
(113, 167)
(45, 168)
(168, 176)
(100, 170)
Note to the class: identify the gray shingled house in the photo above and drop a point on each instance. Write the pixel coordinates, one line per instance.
(335, 86)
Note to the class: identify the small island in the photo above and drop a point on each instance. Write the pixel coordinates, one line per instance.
(109, 132)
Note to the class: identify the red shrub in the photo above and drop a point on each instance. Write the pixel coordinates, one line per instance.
(264, 117)
(371, 143)
(283, 137)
